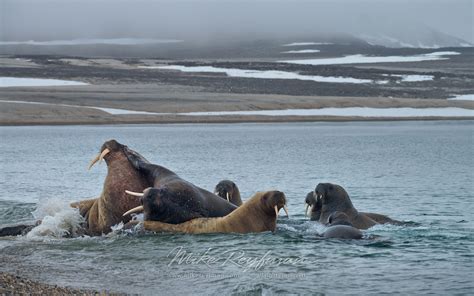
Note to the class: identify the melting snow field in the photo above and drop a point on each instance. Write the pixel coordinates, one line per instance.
(307, 43)
(347, 112)
(362, 59)
(231, 72)
(111, 111)
(463, 97)
(115, 41)
(352, 111)
(411, 78)
(21, 82)
(302, 51)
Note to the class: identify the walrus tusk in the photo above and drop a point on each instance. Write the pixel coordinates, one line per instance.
(140, 194)
(286, 210)
(96, 158)
(276, 210)
(306, 211)
(227, 194)
(104, 153)
(138, 209)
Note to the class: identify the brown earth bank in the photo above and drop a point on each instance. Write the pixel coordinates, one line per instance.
(16, 285)
(120, 83)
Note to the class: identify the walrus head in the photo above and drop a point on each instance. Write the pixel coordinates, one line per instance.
(166, 205)
(273, 202)
(228, 191)
(315, 203)
(110, 150)
(338, 218)
(333, 198)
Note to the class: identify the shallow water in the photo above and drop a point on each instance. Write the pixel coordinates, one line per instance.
(417, 171)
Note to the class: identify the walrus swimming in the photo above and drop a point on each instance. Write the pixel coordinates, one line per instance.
(187, 199)
(340, 227)
(258, 214)
(178, 201)
(228, 190)
(107, 210)
(315, 203)
(335, 198)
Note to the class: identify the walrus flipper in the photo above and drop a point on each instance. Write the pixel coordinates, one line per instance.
(15, 230)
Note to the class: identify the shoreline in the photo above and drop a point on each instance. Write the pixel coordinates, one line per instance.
(259, 119)
(11, 284)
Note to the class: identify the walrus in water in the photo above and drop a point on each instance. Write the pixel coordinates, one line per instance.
(258, 214)
(315, 203)
(340, 227)
(335, 198)
(184, 201)
(107, 210)
(177, 202)
(228, 190)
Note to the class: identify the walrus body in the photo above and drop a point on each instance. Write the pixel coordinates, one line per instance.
(174, 200)
(105, 211)
(340, 227)
(334, 198)
(258, 214)
(229, 191)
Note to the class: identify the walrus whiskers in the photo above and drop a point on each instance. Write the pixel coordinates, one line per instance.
(138, 209)
(139, 194)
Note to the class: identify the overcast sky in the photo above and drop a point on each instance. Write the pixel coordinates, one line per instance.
(196, 19)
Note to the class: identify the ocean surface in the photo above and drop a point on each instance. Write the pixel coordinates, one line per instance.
(420, 171)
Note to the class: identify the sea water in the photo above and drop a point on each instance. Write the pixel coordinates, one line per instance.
(420, 171)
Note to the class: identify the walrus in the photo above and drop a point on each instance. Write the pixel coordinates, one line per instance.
(178, 201)
(258, 214)
(107, 210)
(335, 198)
(315, 203)
(340, 227)
(188, 200)
(228, 190)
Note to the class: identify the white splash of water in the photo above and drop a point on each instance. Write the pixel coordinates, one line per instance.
(58, 220)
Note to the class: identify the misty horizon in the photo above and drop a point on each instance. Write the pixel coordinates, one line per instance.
(202, 21)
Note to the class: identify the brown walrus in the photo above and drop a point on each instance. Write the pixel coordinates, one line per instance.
(185, 200)
(228, 190)
(107, 210)
(334, 198)
(258, 214)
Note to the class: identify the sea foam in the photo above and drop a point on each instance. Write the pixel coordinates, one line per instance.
(58, 219)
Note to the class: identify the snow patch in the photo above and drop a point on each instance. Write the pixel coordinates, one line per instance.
(351, 112)
(469, 97)
(112, 41)
(269, 74)
(307, 43)
(23, 82)
(363, 59)
(302, 51)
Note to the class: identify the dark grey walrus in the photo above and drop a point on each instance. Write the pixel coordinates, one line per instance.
(340, 227)
(334, 198)
(172, 199)
(229, 191)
